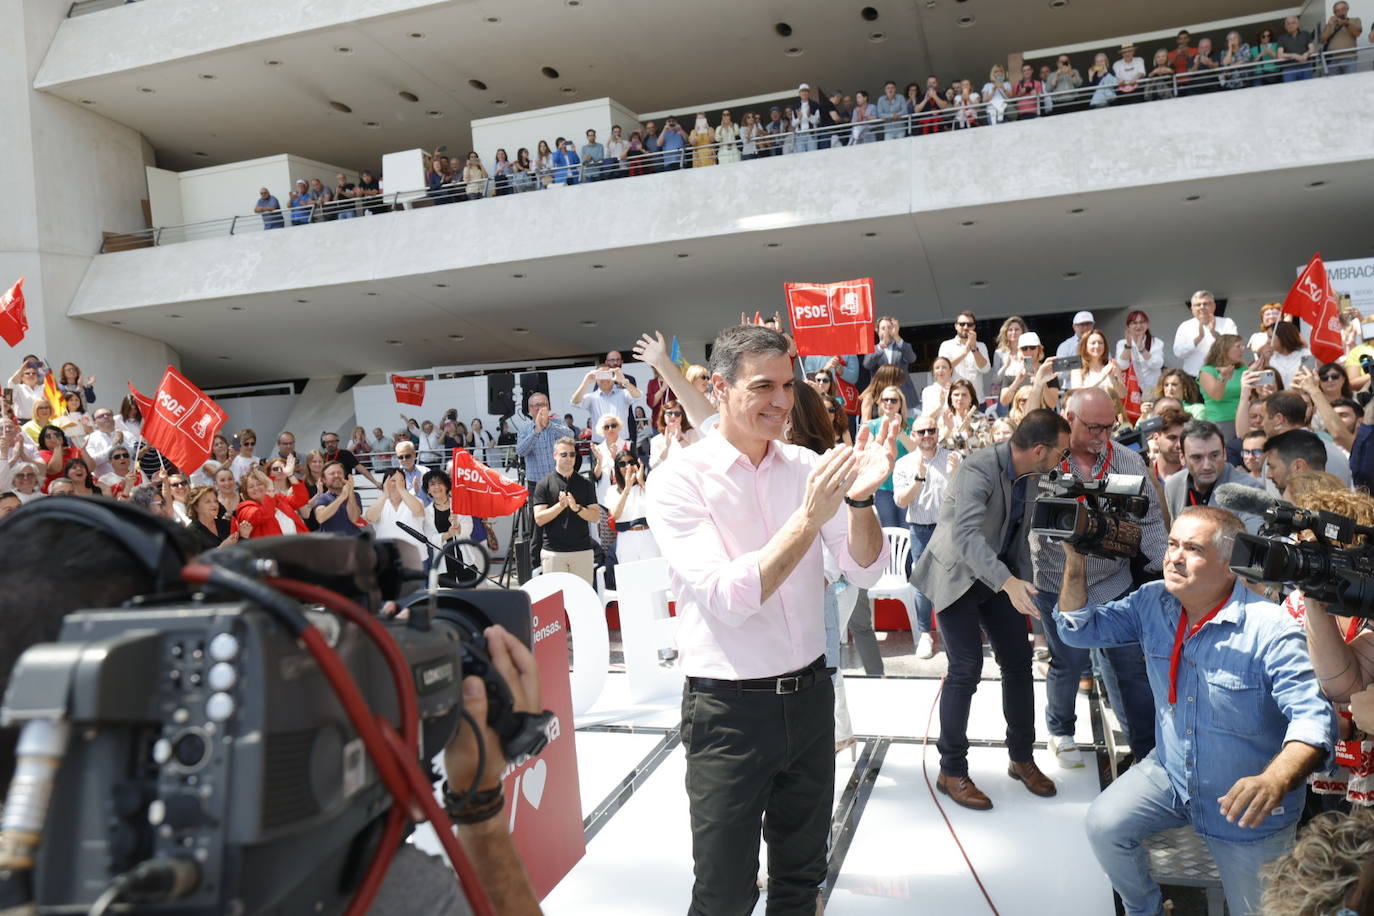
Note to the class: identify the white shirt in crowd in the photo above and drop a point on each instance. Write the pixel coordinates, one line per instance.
(925, 508)
(1131, 72)
(1148, 366)
(242, 465)
(968, 367)
(386, 529)
(632, 545)
(99, 445)
(661, 448)
(934, 397)
(1192, 356)
(599, 403)
(1286, 364)
(25, 396)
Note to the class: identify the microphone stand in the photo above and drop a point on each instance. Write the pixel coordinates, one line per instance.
(437, 553)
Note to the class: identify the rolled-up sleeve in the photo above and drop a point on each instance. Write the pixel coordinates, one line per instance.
(835, 533)
(1116, 623)
(728, 589)
(1295, 689)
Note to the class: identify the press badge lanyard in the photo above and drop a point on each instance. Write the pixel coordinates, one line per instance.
(1179, 637)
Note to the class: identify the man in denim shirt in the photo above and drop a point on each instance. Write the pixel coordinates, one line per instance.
(1240, 720)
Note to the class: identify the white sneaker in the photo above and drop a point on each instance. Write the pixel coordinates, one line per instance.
(925, 646)
(1066, 752)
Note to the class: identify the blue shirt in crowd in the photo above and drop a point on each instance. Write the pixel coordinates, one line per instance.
(1245, 688)
(536, 447)
(271, 219)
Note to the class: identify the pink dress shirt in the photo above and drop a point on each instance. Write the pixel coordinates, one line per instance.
(711, 512)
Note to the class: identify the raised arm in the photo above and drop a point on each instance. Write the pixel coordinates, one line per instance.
(651, 349)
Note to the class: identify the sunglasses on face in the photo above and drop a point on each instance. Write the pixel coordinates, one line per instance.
(250, 441)
(924, 432)
(890, 400)
(821, 378)
(104, 416)
(672, 413)
(626, 464)
(565, 454)
(120, 456)
(179, 483)
(612, 426)
(1331, 377)
(964, 324)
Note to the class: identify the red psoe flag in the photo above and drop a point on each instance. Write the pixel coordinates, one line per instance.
(145, 403)
(14, 323)
(831, 319)
(1312, 300)
(181, 421)
(480, 491)
(408, 390)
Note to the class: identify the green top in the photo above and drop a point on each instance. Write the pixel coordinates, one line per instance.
(1224, 410)
(873, 427)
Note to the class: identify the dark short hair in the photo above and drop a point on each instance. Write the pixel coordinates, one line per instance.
(1201, 429)
(1348, 402)
(436, 474)
(1172, 416)
(1040, 426)
(1289, 405)
(1298, 443)
(734, 342)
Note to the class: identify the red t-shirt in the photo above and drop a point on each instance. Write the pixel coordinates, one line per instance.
(69, 453)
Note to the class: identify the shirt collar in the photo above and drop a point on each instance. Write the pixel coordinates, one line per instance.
(1232, 612)
(727, 456)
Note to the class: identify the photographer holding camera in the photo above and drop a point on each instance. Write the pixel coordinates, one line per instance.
(103, 569)
(1241, 720)
(1093, 456)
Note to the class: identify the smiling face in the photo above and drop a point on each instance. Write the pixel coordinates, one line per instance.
(941, 370)
(224, 480)
(756, 405)
(1203, 306)
(25, 480)
(891, 402)
(1096, 346)
(256, 486)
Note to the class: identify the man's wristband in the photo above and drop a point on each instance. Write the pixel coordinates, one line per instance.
(479, 806)
(859, 503)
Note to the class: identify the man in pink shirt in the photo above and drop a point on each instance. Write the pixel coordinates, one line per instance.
(740, 518)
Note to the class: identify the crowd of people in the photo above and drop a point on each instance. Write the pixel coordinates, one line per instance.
(674, 469)
(820, 119)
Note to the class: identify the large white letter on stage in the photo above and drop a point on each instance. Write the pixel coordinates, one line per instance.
(590, 640)
(646, 627)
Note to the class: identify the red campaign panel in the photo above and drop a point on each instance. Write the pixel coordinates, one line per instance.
(543, 796)
(831, 319)
(408, 390)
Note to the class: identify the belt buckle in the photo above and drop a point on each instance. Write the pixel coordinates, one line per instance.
(796, 685)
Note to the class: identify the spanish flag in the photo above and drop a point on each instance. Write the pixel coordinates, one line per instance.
(54, 395)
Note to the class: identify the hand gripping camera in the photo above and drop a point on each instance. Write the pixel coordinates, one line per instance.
(187, 753)
(1098, 517)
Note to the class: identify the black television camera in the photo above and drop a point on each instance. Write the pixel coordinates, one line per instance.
(1325, 571)
(1136, 437)
(194, 741)
(1091, 514)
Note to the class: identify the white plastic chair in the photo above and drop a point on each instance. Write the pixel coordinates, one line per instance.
(607, 595)
(894, 583)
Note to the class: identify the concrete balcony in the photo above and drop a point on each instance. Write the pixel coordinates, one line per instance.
(1229, 190)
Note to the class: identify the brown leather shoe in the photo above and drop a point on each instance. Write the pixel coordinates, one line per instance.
(962, 790)
(1037, 782)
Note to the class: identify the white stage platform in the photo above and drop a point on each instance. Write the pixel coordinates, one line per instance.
(892, 851)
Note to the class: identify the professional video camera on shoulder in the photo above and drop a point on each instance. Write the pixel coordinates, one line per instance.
(250, 738)
(1098, 517)
(1322, 568)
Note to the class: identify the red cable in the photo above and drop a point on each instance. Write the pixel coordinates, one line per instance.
(925, 771)
(393, 755)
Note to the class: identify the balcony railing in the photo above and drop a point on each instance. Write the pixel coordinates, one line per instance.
(561, 177)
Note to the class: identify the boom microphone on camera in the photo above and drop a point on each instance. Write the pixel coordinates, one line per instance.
(1239, 498)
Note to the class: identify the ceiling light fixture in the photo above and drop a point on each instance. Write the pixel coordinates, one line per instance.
(572, 3)
(588, 324)
(372, 125)
(783, 29)
(456, 337)
(493, 20)
(373, 293)
(408, 96)
(340, 106)
(794, 52)
(773, 245)
(235, 308)
(117, 323)
(868, 13)
(968, 222)
(146, 90)
(1058, 4)
(1076, 210)
(1313, 185)
(173, 315)
(499, 103)
(272, 62)
(1071, 274)
(1192, 198)
(343, 49)
(683, 254)
(568, 90)
(521, 330)
(964, 22)
(208, 76)
(478, 84)
(895, 292)
(417, 35)
(877, 37)
(87, 102)
(870, 235)
(441, 286)
(435, 113)
(302, 301)
(598, 267)
(394, 342)
(979, 284)
(550, 72)
(224, 357)
(199, 155)
(517, 276)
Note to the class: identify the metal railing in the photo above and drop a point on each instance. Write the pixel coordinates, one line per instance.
(957, 116)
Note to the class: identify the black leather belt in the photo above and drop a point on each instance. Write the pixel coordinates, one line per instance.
(792, 682)
(634, 524)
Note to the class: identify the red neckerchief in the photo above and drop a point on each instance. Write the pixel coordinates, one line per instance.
(1353, 629)
(1179, 637)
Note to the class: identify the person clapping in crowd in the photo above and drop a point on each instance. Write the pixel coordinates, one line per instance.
(626, 504)
(962, 426)
(920, 480)
(1140, 350)
(270, 503)
(208, 525)
(1097, 370)
(675, 434)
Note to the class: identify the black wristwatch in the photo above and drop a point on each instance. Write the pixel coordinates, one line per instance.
(858, 503)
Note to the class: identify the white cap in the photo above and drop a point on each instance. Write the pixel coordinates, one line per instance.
(1083, 318)
(302, 181)
(1029, 339)
(803, 86)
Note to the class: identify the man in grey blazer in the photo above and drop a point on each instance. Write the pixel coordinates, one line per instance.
(975, 570)
(1204, 469)
(893, 351)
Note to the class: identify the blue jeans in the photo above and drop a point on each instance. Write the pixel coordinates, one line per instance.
(1142, 802)
(920, 537)
(1297, 72)
(889, 513)
(1123, 674)
(805, 141)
